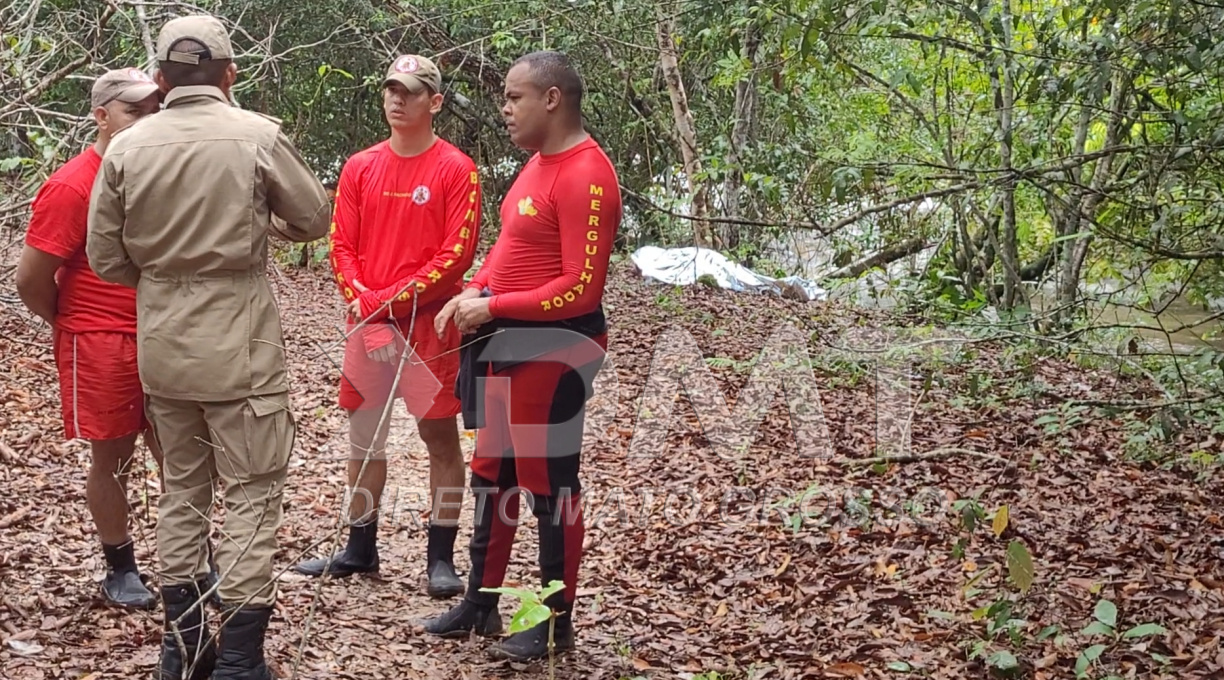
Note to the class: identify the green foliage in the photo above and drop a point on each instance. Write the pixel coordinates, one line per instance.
(532, 611)
(1020, 566)
(803, 111)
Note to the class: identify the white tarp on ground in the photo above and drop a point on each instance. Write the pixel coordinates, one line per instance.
(683, 266)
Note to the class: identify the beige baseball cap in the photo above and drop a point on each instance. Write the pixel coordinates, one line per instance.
(414, 72)
(201, 28)
(125, 84)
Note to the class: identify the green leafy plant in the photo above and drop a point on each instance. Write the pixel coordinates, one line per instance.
(1003, 618)
(1105, 623)
(532, 612)
(735, 365)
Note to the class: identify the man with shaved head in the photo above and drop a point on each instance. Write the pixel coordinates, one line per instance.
(183, 209)
(536, 311)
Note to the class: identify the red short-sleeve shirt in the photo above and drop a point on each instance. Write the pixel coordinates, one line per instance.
(58, 226)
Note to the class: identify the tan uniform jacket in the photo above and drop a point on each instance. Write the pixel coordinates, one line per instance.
(181, 211)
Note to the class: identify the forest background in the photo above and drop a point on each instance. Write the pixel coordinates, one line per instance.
(1044, 177)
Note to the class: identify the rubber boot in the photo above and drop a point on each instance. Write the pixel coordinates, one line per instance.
(477, 612)
(240, 654)
(440, 562)
(122, 584)
(464, 619)
(555, 522)
(532, 643)
(196, 656)
(360, 556)
(126, 589)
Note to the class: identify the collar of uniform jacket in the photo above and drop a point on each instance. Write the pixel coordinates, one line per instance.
(180, 94)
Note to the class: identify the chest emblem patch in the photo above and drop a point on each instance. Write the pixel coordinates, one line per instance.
(420, 195)
(526, 208)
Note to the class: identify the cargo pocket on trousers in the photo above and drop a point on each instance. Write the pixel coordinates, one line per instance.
(270, 430)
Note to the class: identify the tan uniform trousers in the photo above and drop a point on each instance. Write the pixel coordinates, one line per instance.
(246, 443)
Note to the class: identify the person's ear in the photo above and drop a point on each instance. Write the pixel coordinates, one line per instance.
(231, 75)
(435, 103)
(161, 81)
(552, 99)
(102, 118)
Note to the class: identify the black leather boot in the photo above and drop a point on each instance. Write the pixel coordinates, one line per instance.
(195, 656)
(440, 562)
(464, 619)
(240, 654)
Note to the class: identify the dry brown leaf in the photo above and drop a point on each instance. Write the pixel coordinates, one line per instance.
(846, 669)
(786, 560)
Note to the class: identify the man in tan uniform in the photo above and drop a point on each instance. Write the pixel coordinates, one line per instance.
(182, 211)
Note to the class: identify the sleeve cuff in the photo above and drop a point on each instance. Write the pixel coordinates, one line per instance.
(48, 246)
(369, 303)
(376, 335)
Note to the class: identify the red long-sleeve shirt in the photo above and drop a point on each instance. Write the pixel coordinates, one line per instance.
(404, 227)
(559, 220)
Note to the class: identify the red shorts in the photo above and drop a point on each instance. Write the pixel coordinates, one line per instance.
(100, 392)
(427, 384)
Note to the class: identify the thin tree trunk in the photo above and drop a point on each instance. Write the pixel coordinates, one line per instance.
(745, 122)
(1095, 195)
(146, 34)
(1009, 246)
(886, 256)
(669, 62)
(1068, 274)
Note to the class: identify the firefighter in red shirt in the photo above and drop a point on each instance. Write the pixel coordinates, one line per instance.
(94, 330)
(404, 233)
(535, 308)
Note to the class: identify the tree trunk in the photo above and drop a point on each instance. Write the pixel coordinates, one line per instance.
(886, 256)
(744, 123)
(1005, 98)
(1069, 222)
(686, 135)
(146, 34)
(1090, 200)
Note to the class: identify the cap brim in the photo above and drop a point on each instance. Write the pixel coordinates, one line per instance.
(137, 93)
(413, 83)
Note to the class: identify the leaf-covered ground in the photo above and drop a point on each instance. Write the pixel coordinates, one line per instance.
(703, 555)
